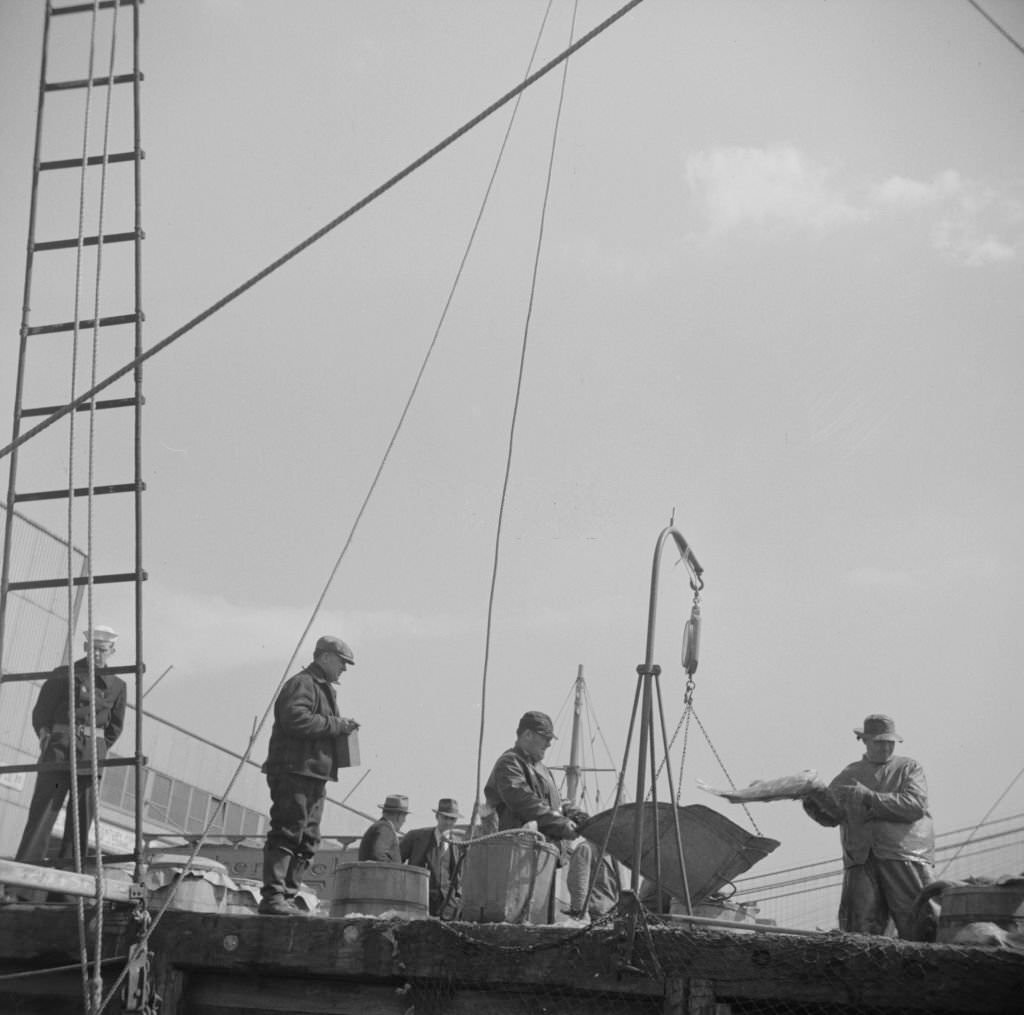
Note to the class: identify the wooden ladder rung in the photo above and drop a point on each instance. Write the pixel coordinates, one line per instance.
(105, 403)
(14, 678)
(97, 579)
(87, 241)
(87, 8)
(104, 322)
(117, 79)
(80, 491)
(92, 160)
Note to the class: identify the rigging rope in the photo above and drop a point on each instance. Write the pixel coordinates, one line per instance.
(323, 231)
(988, 814)
(512, 428)
(94, 786)
(373, 485)
(73, 817)
(995, 24)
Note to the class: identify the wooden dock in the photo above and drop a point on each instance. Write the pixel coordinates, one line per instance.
(212, 964)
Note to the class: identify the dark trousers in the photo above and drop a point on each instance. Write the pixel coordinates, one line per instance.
(51, 790)
(879, 889)
(296, 806)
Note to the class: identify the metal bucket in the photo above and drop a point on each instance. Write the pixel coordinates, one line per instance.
(1002, 905)
(507, 878)
(367, 888)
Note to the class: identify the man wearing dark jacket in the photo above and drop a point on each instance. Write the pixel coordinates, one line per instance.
(433, 849)
(308, 744)
(57, 731)
(380, 842)
(521, 791)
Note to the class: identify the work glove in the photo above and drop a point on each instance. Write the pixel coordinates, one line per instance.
(823, 808)
(556, 826)
(856, 795)
(575, 815)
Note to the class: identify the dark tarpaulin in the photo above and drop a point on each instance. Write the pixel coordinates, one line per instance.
(715, 849)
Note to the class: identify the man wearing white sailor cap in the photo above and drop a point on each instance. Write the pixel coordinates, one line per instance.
(95, 721)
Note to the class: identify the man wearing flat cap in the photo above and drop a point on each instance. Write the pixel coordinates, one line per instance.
(76, 719)
(521, 791)
(880, 804)
(308, 744)
(434, 849)
(380, 842)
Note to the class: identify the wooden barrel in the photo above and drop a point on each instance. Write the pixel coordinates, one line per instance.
(202, 885)
(507, 878)
(1002, 905)
(367, 888)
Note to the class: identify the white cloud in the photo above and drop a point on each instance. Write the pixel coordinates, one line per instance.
(974, 251)
(901, 192)
(738, 185)
(970, 222)
(206, 633)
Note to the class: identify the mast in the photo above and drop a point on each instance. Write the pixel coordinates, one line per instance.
(572, 770)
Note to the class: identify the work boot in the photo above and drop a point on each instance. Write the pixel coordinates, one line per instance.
(293, 880)
(276, 862)
(277, 906)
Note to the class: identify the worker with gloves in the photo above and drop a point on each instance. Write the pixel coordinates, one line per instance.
(521, 792)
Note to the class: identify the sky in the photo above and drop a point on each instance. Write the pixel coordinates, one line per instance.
(778, 301)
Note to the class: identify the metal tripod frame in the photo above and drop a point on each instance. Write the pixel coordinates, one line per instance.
(648, 693)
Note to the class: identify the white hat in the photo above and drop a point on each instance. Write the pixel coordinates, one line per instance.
(101, 634)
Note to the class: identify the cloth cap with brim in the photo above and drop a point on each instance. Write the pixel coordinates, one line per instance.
(101, 634)
(396, 802)
(329, 643)
(879, 727)
(448, 808)
(538, 722)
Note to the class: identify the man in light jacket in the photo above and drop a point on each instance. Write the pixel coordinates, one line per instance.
(880, 804)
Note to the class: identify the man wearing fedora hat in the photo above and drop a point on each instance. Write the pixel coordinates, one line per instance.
(380, 842)
(96, 720)
(308, 744)
(880, 804)
(434, 849)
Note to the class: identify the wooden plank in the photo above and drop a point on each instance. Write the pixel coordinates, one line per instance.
(48, 934)
(169, 984)
(822, 969)
(216, 993)
(701, 998)
(26, 875)
(220, 994)
(49, 993)
(675, 996)
(828, 970)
